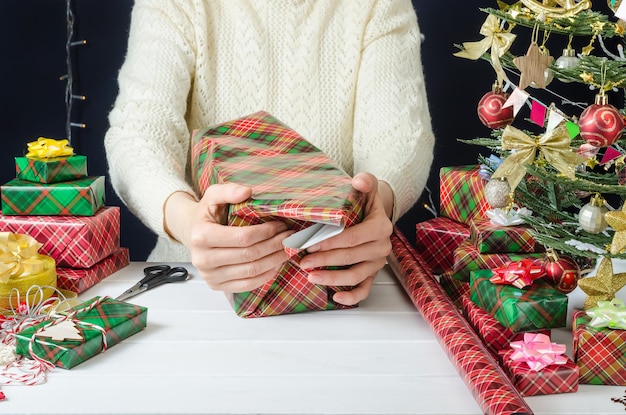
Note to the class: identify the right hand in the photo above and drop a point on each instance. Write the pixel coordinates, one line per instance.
(230, 258)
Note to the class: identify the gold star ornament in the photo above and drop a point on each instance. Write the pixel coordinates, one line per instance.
(533, 67)
(617, 220)
(603, 286)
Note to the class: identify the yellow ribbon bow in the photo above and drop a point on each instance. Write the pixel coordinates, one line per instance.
(18, 256)
(554, 146)
(45, 148)
(496, 39)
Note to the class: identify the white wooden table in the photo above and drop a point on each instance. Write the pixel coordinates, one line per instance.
(197, 357)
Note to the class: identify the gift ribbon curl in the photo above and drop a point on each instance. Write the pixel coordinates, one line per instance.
(496, 39)
(610, 314)
(554, 146)
(538, 352)
(45, 148)
(517, 273)
(19, 256)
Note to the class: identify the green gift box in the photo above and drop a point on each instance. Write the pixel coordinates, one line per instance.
(539, 306)
(82, 197)
(52, 170)
(101, 323)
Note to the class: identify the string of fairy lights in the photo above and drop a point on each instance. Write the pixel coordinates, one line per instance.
(70, 96)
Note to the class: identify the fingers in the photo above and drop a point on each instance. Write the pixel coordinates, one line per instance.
(356, 295)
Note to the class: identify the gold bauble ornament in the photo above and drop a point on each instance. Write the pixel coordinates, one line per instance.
(557, 8)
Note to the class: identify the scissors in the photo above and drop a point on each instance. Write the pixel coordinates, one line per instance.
(153, 277)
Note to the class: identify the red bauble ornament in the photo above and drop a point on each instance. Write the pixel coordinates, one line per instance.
(562, 272)
(490, 111)
(601, 124)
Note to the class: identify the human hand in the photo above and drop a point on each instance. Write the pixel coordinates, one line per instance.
(229, 258)
(363, 247)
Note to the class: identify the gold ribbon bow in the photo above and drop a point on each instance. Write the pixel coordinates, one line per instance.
(554, 146)
(18, 256)
(496, 39)
(45, 148)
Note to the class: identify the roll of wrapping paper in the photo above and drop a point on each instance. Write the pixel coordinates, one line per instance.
(492, 389)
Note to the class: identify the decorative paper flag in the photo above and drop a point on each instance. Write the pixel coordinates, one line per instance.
(554, 119)
(572, 128)
(609, 155)
(538, 113)
(517, 100)
(620, 13)
(587, 151)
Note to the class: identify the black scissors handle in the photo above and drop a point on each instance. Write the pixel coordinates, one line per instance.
(161, 274)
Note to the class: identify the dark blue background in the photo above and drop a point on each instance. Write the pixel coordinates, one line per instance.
(32, 45)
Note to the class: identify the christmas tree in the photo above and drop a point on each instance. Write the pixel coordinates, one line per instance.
(562, 159)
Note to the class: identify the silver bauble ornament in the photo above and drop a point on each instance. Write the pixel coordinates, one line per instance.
(567, 61)
(591, 216)
(498, 193)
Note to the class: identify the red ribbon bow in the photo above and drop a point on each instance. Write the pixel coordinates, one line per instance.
(518, 273)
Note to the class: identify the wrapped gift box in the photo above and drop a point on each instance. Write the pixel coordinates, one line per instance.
(80, 279)
(82, 197)
(552, 379)
(118, 319)
(489, 238)
(73, 241)
(493, 334)
(454, 288)
(52, 170)
(539, 306)
(461, 193)
(292, 182)
(436, 239)
(600, 353)
(467, 258)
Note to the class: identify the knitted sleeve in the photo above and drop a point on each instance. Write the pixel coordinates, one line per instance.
(147, 143)
(393, 137)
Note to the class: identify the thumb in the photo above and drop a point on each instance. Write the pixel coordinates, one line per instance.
(217, 197)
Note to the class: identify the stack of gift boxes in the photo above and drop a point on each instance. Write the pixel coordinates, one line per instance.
(464, 248)
(53, 200)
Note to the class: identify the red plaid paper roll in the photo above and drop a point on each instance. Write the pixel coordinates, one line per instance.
(492, 389)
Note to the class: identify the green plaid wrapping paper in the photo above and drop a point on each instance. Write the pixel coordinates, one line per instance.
(82, 197)
(489, 238)
(52, 170)
(454, 288)
(537, 307)
(119, 319)
(462, 193)
(599, 353)
(436, 239)
(550, 380)
(293, 182)
(468, 259)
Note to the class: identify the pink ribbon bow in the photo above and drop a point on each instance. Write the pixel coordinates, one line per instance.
(538, 352)
(517, 273)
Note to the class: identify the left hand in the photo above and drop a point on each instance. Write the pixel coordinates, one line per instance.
(363, 247)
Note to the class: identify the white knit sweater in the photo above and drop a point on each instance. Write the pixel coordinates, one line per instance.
(345, 74)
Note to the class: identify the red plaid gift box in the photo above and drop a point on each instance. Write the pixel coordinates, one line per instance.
(292, 182)
(436, 239)
(467, 258)
(73, 241)
(493, 334)
(461, 193)
(489, 238)
(79, 280)
(549, 380)
(454, 288)
(600, 353)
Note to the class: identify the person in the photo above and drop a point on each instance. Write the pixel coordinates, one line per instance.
(345, 74)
